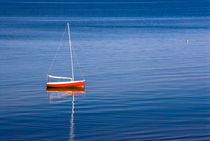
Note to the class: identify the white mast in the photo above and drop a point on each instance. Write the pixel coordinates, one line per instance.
(72, 65)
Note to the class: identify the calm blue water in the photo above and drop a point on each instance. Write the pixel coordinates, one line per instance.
(144, 81)
(107, 8)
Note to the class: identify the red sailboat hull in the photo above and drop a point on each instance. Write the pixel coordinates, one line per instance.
(66, 84)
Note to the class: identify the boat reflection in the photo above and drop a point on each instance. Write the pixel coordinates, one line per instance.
(58, 95)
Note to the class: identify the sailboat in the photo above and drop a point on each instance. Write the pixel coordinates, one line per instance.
(70, 81)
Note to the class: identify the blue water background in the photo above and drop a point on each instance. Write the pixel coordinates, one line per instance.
(145, 81)
(107, 8)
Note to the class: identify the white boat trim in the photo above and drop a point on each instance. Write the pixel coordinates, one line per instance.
(65, 82)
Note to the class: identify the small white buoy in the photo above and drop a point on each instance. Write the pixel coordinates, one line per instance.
(187, 41)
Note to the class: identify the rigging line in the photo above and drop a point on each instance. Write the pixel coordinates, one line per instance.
(79, 68)
(59, 46)
(73, 54)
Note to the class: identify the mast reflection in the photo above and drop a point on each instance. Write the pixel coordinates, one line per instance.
(58, 95)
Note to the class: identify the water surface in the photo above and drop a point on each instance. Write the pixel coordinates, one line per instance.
(144, 82)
